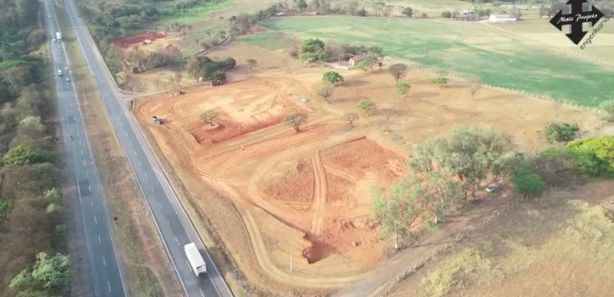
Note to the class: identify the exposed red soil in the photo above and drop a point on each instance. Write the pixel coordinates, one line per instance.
(138, 38)
(294, 187)
(229, 129)
(361, 156)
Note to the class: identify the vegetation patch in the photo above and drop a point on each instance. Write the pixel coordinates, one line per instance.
(468, 50)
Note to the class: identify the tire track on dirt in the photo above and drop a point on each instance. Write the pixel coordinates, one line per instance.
(319, 193)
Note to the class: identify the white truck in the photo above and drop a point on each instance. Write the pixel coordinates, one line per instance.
(58, 36)
(195, 259)
(60, 73)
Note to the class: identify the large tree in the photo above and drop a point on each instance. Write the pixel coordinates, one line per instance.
(313, 50)
(397, 210)
(398, 70)
(470, 154)
(296, 119)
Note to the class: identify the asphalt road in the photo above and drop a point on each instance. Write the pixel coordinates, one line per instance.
(171, 220)
(105, 275)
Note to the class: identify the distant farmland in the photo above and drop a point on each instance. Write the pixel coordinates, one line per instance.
(468, 49)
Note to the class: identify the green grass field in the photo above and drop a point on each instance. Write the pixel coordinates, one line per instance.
(466, 48)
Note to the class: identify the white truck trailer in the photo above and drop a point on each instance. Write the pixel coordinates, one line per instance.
(195, 259)
(58, 36)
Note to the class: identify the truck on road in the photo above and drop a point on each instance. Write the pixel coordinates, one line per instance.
(195, 259)
(58, 36)
(60, 73)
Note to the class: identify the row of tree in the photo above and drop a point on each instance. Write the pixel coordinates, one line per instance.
(204, 68)
(448, 170)
(30, 205)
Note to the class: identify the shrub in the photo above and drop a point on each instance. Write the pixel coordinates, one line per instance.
(594, 154)
(608, 108)
(446, 14)
(441, 81)
(528, 184)
(23, 155)
(561, 132)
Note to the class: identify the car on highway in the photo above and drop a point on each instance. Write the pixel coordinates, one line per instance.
(67, 79)
(60, 73)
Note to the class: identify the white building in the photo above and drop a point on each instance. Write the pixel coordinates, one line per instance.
(502, 18)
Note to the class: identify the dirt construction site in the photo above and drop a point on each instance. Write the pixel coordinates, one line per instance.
(294, 209)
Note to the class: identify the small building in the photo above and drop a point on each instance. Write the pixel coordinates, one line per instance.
(502, 18)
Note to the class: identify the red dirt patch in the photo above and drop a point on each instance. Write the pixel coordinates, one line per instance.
(138, 38)
(229, 129)
(294, 187)
(360, 156)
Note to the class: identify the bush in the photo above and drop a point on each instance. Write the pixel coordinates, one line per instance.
(23, 155)
(529, 184)
(441, 81)
(561, 132)
(446, 14)
(608, 108)
(594, 154)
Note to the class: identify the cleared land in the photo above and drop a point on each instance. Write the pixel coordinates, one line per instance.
(306, 196)
(470, 49)
(554, 247)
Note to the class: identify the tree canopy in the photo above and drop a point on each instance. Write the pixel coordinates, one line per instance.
(332, 77)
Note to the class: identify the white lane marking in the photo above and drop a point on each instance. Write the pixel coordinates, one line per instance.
(95, 220)
(140, 163)
(145, 173)
(126, 133)
(89, 188)
(201, 292)
(104, 261)
(176, 240)
(109, 286)
(84, 163)
(99, 241)
(82, 153)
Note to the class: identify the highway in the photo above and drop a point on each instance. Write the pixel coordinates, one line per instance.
(105, 275)
(171, 221)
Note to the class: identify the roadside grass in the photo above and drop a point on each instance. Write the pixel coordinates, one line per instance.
(133, 232)
(532, 251)
(466, 49)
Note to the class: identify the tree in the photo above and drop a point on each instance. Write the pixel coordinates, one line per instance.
(398, 70)
(332, 77)
(446, 14)
(209, 116)
(362, 12)
(561, 132)
(440, 81)
(367, 106)
(301, 4)
(47, 272)
(402, 87)
(51, 272)
(325, 90)
(350, 117)
(528, 184)
(313, 50)
(367, 63)
(608, 108)
(397, 210)
(408, 12)
(469, 154)
(252, 64)
(295, 120)
(23, 155)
